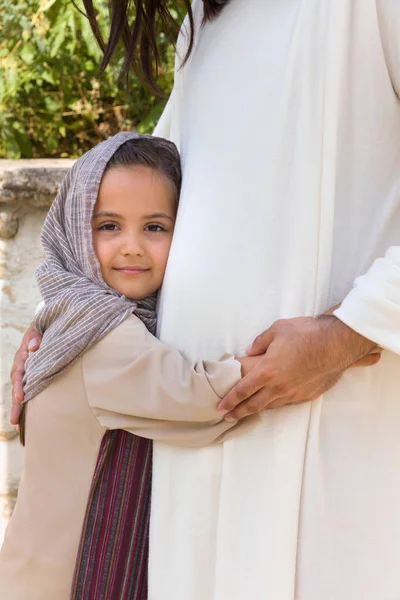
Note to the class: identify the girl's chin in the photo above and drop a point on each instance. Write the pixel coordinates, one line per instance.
(134, 293)
(137, 294)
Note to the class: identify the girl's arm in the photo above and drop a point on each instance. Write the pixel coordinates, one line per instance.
(135, 382)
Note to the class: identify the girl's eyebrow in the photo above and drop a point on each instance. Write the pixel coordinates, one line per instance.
(158, 216)
(145, 217)
(107, 214)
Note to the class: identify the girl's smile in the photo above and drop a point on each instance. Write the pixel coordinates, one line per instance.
(131, 270)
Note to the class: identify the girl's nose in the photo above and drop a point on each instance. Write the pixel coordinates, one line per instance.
(132, 247)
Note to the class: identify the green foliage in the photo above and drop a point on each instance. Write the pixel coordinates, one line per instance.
(53, 102)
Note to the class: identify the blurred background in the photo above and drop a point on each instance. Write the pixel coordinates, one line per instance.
(53, 102)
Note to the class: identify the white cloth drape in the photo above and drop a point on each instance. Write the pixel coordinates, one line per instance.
(288, 122)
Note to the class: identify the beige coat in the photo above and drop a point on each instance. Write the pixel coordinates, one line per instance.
(129, 380)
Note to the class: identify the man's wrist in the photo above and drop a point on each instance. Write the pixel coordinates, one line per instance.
(349, 345)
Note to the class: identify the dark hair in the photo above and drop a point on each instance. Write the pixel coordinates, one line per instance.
(150, 151)
(139, 38)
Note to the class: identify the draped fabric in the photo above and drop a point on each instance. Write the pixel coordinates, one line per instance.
(287, 117)
(113, 552)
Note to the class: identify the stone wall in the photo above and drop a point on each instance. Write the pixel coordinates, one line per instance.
(27, 188)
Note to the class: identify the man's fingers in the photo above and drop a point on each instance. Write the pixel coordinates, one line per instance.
(248, 386)
(17, 374)
(34, 344)
(17, 398)
(18, 364)
(17, 386)
(258, 402)
(34, 341)
(261, 343)
(15, 413)
(17, 392)
(30, 343)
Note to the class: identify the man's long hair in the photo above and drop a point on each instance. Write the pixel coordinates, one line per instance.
(140, 35)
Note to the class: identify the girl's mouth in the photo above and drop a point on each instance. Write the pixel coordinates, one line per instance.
(132, 270)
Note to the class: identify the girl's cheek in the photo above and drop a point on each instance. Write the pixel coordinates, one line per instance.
(95, 242)
(103, 251)
(164, 253)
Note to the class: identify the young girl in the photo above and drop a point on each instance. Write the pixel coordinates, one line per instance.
(100, 369)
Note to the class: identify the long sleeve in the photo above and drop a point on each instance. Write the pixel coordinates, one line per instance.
(136, 383)
(372, 308)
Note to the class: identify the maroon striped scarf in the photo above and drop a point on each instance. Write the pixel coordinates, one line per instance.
(113, 552)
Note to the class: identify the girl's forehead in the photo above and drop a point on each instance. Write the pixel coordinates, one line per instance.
(135, 189)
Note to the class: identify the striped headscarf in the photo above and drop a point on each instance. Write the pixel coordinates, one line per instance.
(80, 308)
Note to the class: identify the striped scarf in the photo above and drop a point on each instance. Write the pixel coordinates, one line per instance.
(113, 553)
(80, 308)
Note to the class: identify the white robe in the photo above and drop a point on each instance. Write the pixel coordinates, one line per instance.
(288, 122)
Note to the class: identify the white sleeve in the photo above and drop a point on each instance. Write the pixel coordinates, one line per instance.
(372, 308)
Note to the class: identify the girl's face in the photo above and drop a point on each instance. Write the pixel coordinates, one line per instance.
(133, 222)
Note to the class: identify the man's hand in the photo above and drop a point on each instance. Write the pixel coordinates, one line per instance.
(304, 357)
(248, 363)
(30, 343)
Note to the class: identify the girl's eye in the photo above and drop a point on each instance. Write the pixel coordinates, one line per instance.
(154, 228)
(108, 227)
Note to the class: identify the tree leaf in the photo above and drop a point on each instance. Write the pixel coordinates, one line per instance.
(47, 5)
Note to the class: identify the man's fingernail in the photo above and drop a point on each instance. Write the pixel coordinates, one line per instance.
(34, 342)
(222, 411)
(230, 419)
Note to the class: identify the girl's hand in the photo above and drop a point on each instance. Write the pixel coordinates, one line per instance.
(30, 343)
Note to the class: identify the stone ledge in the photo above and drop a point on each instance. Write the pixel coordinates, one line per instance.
(32, 181)
(28, 184)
